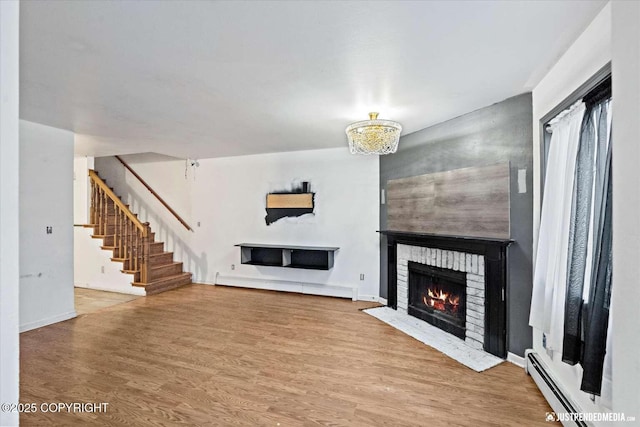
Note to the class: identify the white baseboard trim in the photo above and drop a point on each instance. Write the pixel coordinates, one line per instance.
(286, 286)
(48, 321)
(382, 301)
(373, 298)
(552, 390)
(516, 360)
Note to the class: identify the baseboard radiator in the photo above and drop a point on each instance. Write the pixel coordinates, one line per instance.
(559, 401)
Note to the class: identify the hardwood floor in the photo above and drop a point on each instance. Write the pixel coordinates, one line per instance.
(90, 300)
(205, 355)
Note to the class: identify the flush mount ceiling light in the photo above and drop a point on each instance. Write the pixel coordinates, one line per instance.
(373, 136)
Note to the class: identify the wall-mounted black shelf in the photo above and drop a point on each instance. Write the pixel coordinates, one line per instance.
(307, 257)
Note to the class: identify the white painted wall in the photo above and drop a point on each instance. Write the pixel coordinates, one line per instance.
(93, 268)
(46, 199)
(227, 197)
(229, 202)
(81, 188)
(626, 207)
(9, 209)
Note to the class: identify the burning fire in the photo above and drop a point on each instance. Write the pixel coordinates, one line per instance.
(440, 300)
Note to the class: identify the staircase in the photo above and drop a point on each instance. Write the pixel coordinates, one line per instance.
(132, 242)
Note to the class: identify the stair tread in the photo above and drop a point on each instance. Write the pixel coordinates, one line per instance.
(155, 267)
(160, 253)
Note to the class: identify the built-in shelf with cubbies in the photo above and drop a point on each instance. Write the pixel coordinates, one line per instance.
(308, 257)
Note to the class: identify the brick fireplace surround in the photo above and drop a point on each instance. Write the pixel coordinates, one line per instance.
(484, 262)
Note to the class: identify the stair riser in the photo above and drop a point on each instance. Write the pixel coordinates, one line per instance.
(169, 270)
(152, 290)
(110, 216)
(101, 229)
(109, 229)
(157, 260)
(125, 265)
(108, 241)
(128, 265)
(156, 248)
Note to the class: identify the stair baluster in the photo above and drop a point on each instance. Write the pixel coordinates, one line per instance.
(130, 245)
(92, 206)
(120, 232)
(146, 251)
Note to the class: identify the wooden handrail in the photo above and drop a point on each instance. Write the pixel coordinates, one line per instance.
(134, 219)
(142, 181)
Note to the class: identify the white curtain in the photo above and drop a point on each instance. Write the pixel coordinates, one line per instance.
(550, 276)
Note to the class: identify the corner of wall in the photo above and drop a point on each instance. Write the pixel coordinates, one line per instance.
(46, 200)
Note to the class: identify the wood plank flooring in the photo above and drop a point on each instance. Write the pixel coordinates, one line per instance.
(90, 300)
(211, 355)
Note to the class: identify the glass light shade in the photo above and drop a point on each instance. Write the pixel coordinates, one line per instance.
(373, 136)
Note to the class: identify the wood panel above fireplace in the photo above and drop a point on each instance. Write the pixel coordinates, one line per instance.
(471, 202)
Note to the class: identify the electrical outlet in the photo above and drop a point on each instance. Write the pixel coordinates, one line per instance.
(102, 269)
(233, 266)
(49, 229)
(362, 276)
(198, 223)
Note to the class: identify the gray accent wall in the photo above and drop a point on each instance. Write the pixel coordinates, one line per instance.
(502, 132)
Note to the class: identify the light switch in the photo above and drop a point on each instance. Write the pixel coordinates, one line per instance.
(522, 180)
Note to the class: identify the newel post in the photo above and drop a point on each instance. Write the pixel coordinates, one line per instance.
(146, 251)
(92, 204)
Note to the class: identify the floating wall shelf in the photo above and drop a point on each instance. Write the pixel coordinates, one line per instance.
(308, 257)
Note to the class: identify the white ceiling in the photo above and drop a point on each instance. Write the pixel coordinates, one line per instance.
(209, 79)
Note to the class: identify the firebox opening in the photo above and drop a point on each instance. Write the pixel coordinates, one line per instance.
(438, 296)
